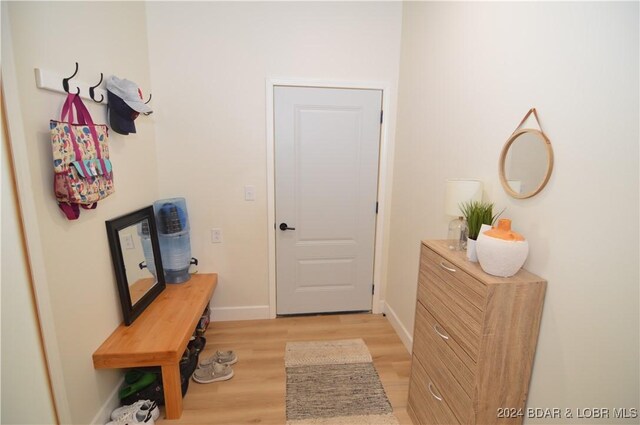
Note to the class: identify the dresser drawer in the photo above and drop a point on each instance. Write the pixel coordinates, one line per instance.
(470, 289)
(431, 340)
(417, 409)
(463, 328)
(446, 371)
(429, 406)
(456, 302)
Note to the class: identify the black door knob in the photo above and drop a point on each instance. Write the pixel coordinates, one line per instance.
(283, 226)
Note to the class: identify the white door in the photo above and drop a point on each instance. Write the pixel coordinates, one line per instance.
(326, 179)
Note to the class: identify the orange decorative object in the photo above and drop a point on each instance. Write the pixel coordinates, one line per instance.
(503, 231)
(501, 252)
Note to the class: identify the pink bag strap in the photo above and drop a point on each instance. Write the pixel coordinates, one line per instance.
(84, 117)
(66, 108)
(67, 113)
(71, 211)
(72, 102)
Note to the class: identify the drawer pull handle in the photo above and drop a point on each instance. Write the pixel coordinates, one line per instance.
(432, 393)
(443, 336)
(447, 268)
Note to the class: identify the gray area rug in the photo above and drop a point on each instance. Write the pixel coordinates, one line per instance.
(334, 382)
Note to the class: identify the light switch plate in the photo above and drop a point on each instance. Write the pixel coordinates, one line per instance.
(249, 193)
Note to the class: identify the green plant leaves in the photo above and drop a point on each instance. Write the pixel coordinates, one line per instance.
(477, 213)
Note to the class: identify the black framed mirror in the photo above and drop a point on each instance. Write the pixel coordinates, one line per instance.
(135, 253)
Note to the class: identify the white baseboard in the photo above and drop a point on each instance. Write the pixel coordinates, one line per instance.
(250, 312)
(403, 333)
(104, 414)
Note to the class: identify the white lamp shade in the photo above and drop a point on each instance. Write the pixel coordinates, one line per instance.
(459, 191)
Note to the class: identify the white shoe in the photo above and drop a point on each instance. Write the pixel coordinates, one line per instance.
(145, 406)
(134, 418)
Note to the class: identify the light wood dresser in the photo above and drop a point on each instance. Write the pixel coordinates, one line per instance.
(474, 341)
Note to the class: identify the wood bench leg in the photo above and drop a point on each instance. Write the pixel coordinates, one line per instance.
(172, 391)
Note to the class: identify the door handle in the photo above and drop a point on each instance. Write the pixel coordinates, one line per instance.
(283, 226)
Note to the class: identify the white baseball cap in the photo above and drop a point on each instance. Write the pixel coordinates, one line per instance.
(129, 92)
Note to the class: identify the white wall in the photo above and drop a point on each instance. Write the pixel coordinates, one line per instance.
(108, 37)
(210, 62)
(26, 398)
(469, 72)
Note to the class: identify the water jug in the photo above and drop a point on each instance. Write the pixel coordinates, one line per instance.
(173, 234)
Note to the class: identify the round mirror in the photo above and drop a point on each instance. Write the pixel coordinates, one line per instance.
(526, 162)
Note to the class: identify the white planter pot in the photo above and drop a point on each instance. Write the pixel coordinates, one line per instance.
(500, 257)
(471, 251)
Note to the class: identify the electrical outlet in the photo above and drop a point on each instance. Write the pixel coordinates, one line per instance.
(249, 193)
(216, 235)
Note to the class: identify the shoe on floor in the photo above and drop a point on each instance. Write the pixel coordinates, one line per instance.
(140, 405)
(222, 357)
(134, 417)
(197, 343)
(212, 373)
(142, 382)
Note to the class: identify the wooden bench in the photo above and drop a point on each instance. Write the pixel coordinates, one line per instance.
(159, 336)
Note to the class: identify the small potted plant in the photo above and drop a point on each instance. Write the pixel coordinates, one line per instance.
(476, 214)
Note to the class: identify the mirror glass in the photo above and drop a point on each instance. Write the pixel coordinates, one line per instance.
(526, 163)
(135, 252)
(137, 255)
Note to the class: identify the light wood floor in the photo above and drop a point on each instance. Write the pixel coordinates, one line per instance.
(256, 393)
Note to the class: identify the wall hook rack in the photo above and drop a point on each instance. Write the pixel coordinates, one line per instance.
(50, 80)
(65, 81)
(92, 92)
(149, 100)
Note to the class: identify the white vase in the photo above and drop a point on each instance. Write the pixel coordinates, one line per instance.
(471, 251)
(500, 257)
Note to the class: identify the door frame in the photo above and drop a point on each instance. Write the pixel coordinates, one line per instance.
(33, 253)
(384, 177)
